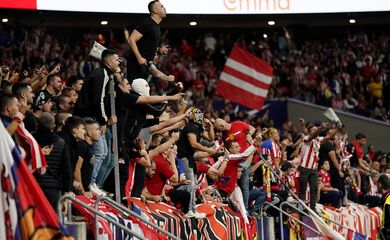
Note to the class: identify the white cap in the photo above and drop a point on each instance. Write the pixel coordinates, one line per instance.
(141, 86)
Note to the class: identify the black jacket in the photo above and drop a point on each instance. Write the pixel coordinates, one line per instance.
(94, 98)
(71, 144)
(58, 174)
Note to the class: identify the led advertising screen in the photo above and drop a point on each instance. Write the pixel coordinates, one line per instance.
(205, 6)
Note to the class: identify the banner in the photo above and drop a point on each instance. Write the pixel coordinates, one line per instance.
(220, 223)
(361, 222)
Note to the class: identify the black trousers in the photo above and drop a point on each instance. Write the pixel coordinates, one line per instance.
(53, 195)
(308, 176)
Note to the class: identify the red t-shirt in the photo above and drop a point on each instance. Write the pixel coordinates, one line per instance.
(155, 184)
(228, 180)
(358, 149)
(202, 168)
(202, 172)
(325, 177)
(238, 133)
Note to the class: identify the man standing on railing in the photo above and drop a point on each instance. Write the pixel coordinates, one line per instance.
(144, 42)
(384, 188)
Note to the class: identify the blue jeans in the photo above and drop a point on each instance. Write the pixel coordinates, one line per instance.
(259, 196)
(243, 183)
(108, 161)
(190, 175)
(100, 150)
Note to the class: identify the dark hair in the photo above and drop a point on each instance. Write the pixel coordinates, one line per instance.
(384, 181)
(310, 125)
(90, 121)
(286, 165)
(50, 78)
(228, 144)
(72, 80)
(5, 84)
(282, 138)
(108, 53)
(66, 91)
(155, 136)
(61, 99)
(359, 136)
(72, 123)
(5, 100)
(165, 139)
(18, 88)
(323, 162)
(151, 4)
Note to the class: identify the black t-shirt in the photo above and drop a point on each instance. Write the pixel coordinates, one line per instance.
(124, 102)
(151, 36)
(85, 151)
(184, 147)
(256, 179)
(30, 122)
(354, 160)
(324, 151)
(147, 47)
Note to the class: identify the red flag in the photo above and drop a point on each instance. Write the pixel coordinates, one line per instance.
(25, 213)
(245, 79)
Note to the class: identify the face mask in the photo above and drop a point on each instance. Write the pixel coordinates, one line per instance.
(198, 116)
(140, 86)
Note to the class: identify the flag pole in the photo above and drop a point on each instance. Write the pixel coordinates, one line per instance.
(115, 141)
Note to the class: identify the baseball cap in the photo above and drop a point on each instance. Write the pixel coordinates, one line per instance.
(41, 98)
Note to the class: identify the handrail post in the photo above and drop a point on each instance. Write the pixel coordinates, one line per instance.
(281, 224)
(115, 141)
(262, 223)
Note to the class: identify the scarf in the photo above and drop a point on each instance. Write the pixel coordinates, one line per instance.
(267, 182)
(34, 156)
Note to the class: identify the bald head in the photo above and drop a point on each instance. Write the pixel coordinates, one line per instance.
(221, 125)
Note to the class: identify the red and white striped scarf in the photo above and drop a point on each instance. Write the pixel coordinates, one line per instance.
(35, 159)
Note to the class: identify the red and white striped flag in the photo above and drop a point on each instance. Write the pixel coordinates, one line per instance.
(245, 79)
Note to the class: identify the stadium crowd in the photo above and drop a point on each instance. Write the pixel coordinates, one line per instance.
(173, 145)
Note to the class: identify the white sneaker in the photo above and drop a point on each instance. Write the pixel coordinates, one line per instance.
(192, 214)
(96, 191)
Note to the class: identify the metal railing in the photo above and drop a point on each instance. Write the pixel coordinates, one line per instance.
(119, 207)
(96, 212)
(282, 212)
